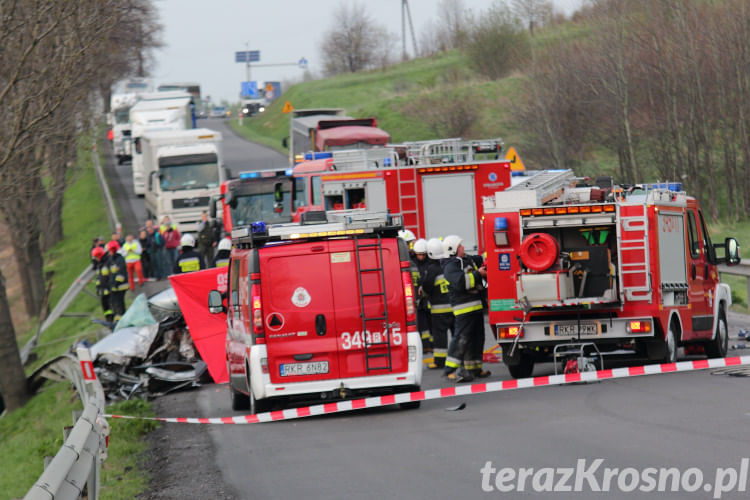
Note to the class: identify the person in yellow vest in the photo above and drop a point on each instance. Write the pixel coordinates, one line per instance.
(222, 255)
(189, 260)
(132, 251)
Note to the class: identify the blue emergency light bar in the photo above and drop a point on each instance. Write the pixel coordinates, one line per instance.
(317, 156)
(249, 175)
(671, 186)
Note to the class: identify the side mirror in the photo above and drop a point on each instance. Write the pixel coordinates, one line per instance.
(215, 302)
(151, 180)
(732, 249)
(212, 205)
(285, 142)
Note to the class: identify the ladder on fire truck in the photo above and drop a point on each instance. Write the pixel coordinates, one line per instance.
(546, 185)
(367, 340)
(451, 150)
(632, 233)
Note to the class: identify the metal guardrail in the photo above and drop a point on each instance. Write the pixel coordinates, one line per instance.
(77, 464)
(741, 269)
(111, 212)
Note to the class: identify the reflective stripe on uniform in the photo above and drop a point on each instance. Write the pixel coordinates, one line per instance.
(441, 309)
(470, 281)
(188, 265)
(130, 255)
(426, 335)
(440, 353)
(467, 307)
(222, 263)
(451, 362)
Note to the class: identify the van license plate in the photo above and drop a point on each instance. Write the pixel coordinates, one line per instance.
(317, 367)
(571, 330)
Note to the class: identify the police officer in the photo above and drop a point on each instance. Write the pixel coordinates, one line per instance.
(435, 286)
(189, 260)
(420, 263)
(222, 255)
(464, 285)
(99, 259)
(118, 279)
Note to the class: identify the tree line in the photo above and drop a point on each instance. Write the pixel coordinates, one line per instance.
(58, 62)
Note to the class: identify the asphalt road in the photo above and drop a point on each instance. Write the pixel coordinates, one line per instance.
(240, 155)
(682, 420)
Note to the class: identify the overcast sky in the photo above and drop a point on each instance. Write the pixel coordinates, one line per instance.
(201, 37)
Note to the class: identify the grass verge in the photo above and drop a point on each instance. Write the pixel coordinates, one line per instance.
(35, 431)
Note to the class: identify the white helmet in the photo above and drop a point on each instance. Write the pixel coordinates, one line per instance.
(420, 246)
(187, 240)
(435, 249)
(451, 244)
(406, 235)
(225, 244)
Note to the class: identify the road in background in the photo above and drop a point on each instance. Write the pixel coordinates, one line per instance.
(240, 155)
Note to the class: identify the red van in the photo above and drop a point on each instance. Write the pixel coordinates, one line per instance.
(320, 310)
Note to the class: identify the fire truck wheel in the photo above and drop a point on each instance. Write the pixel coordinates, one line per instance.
(717, 348)
(239, 401)
(411, 405)
(670, 345)
(258, 405)
(524, 368)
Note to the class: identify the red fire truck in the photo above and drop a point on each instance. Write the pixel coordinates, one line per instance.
(577, 272)
(436, 186)
(320, 310)
(265, 195)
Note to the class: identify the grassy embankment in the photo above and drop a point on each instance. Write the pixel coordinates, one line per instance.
(35, 431)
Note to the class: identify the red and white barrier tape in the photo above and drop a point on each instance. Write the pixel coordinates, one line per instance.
(461, 390)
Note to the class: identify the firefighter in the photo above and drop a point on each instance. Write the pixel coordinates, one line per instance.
(419, 266)
(206, 240)
(441, 315)
(189, 260)
(118, 280)
(222, 255)
(408, 236)
(464, 286)
(99, 259)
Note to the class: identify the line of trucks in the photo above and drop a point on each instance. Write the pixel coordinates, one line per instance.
(576, 270)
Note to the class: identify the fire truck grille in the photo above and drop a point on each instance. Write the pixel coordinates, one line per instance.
(199, 201)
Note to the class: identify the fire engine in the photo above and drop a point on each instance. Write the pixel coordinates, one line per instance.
(576, 272)
(320, 310)
(263, 195)
(436, 186)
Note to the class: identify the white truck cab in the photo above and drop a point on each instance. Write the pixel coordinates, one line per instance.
(183, 171)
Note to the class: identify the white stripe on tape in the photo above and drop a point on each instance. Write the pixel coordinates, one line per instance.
(461, 390)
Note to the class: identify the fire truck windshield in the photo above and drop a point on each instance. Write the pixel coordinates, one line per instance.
(188, 172)
(273, 206)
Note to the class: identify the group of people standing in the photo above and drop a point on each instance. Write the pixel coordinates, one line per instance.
(157, 252)
(451, 301)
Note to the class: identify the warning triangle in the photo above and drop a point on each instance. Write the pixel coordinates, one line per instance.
(515, 161)
(275, 321)
(288, 108)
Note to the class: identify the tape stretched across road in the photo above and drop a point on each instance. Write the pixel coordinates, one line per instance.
(460, 390)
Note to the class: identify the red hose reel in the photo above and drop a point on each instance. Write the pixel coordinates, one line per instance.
(539, 251)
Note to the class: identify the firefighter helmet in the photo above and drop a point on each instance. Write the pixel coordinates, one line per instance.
(187, 240)
(113, 246)
(98, 252)
(420, 246)
(225, 244)
(451, 244)
(407, 235)
(435, 249)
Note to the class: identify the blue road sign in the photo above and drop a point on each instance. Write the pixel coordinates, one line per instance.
(302, 63)
(250, 89)
(247, 56)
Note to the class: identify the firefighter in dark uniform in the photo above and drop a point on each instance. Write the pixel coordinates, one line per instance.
(419, 266)
(441, 314)
(99, 260)
(464, 284)
(222, 255)
(189, 260)
(118, 280)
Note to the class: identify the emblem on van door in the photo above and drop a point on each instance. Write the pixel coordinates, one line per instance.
(301, 298)
(275, 321)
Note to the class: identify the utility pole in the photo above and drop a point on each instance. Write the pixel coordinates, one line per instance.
(406, 12)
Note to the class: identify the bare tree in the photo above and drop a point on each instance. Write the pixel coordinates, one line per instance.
(355, 42)
(535, 13)
(453, 24)
(54, 54)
